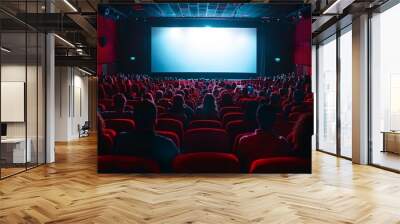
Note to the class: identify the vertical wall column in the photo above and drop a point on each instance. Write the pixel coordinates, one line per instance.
(50, 91)
(360, 90)
(50, 98)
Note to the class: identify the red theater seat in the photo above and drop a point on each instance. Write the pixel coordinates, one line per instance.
(101, 107)
(171, 135)
(293, 116)
(110, 132)
(166, 103)
(206, 162)
(161, 109)
(167, 124)
(225, 110)
(281, 165)
(120, 125)
(237, 139)
(108, 103)
(206, 140)
(126, 164)
(132, 103)
(106, 144)
(235, 128)
(259, 145)
(232, 116)
(205, 124)
(283, 128)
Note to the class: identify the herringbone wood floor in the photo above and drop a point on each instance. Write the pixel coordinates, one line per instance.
(70, 191)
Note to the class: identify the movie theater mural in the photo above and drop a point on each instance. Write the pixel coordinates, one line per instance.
(204, 88)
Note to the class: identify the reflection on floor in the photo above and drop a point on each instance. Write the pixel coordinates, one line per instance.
(387, 159)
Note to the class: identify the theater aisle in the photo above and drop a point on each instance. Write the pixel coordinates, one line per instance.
(71, 191)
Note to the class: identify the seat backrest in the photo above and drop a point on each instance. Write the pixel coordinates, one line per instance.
(234, 128)
(225, 110)
(105, 143)
(126, 164)
(205, 124)
(171, 135)
(108, 103)
(232, 116)
(283, 128)
(293, 116)
(206, 162)
(281, 165)
(120, 125)
(161, 109)
(132, 103)
(206, 140)
(237, 139)
(168, 124)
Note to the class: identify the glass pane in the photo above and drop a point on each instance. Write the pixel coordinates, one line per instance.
(314, 90)
(346, 94)
(385, 84)
(327, 96)
(31, 97)
(41, 98)
(14, 153)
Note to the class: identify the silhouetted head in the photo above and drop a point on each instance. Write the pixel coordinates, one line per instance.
(149, 97)
(159, 95)
(266, 117)
(226, 99)
(119, 102)
(250, 110)
(275, 99)
(298, 96)
(177, 103)
(145, 115)
(209, 102)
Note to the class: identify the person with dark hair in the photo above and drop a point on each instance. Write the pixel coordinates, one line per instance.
(226, 99)
(119, 102)
(275, 102)
(149, 97)
(144, 142)
(250, 110)
(159, 95)
(208, 110)
(120, 109)
(300, 137)
(264, 142)
(297, 104)
(180, 110)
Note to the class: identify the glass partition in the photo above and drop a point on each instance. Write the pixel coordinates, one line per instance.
(22, 88)
(385, 89)
(346, 93)
(327, 95)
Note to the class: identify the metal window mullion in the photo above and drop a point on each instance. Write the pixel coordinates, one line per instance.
(338, 95)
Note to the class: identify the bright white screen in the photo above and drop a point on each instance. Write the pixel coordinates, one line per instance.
(203, 49)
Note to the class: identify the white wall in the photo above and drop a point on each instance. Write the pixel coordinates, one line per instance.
(71, 102)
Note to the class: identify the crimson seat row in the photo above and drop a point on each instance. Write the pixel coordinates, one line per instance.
(201, 135)
(202, 162)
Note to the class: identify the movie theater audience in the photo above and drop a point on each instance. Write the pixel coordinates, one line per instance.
(265, 117)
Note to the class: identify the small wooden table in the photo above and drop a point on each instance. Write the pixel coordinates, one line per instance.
(391, 141)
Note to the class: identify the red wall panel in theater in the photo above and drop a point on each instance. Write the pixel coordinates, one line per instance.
(107, 29)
